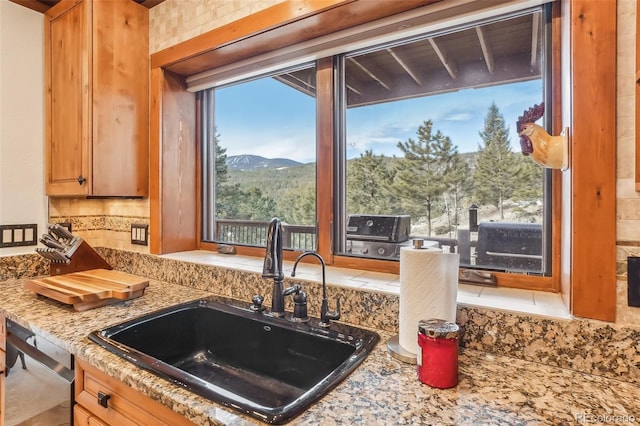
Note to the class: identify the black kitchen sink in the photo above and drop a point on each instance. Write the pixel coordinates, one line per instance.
(270, 368)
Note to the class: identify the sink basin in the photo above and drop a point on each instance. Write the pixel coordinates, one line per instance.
(270, 368)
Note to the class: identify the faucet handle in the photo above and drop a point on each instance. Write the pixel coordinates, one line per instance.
(326, 315)
(335, 315)
(256, 304)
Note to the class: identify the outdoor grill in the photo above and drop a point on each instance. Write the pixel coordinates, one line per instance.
(377, 235)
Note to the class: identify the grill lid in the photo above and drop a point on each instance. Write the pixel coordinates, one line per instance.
(391, 228)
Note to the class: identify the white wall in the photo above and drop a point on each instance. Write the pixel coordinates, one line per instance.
(22, 198)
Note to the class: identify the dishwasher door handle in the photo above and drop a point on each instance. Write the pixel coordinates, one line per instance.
(41, 357)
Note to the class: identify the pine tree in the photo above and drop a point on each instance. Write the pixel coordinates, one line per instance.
(529, 180)
(496, 166)
(420, 178)
(368, 186)
(458, 181)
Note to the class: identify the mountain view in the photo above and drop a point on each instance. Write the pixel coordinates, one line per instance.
(253, 162)
(279, 178)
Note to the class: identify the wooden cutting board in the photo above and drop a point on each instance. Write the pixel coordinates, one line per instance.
(89, 289)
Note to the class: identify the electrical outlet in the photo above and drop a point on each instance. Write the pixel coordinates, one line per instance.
(140, 234)
(633, 281)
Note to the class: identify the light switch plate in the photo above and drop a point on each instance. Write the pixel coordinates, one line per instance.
(18, 235)
(140, 234)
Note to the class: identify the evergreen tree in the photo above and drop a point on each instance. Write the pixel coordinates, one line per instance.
(458, 181)
(232, 202)
(223, 189)
(420, 176)
(298, 206)
(368, 186)
(529, 182)
(496, 167)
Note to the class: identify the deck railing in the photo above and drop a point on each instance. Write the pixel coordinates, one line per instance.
(254, 233)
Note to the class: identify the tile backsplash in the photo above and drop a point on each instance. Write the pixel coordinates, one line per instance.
(102, 222)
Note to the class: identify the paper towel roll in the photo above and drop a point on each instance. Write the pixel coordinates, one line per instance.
(428, 289)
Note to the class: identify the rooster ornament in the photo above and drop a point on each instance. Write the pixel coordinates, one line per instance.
(546, 150)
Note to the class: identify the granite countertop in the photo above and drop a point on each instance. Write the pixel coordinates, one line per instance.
(495, 390)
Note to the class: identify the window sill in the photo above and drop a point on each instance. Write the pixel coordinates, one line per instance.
(532, 302)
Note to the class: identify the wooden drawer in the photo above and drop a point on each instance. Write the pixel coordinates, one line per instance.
(124, 405)
(82, 417)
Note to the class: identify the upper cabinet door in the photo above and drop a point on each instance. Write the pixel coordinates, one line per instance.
(67, 100)
(120, 99)
(97, 98)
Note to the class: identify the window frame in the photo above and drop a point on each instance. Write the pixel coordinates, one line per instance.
(328, 188)
(585, 243)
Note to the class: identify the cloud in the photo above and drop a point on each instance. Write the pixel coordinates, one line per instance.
(457, 116)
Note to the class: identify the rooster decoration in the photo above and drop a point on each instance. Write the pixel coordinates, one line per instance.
(546, 150)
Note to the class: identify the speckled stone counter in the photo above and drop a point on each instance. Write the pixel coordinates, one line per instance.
(493, 389)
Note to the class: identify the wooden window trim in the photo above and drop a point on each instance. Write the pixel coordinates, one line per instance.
(637, 168)
(582, 271)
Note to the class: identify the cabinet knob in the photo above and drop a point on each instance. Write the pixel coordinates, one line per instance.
(103, 399)
(81, 179)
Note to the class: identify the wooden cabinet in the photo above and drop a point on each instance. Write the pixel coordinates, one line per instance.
(102, 400)
(3, 329)
(82, 417)
(97, 98)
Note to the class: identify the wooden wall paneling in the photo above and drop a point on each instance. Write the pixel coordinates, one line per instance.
(173, 200)
(637, 171)
(593, 159)
(156, 81)
(325, 114)
(179, 228)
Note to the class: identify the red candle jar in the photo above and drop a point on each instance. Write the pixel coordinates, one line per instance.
(437, 355)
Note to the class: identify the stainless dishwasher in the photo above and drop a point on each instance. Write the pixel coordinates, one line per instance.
(39, 380)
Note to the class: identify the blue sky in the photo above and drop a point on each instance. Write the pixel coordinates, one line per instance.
(267, 118)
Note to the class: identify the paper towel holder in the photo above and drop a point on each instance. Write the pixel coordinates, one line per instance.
(398, 352)
(393, 344)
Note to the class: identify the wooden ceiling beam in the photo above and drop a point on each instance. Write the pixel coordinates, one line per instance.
(471, 75)
(369, 73)
(297, 83)
(405, 66)
(449, 65)
(487, 51)
(354, 90)
(535, 28)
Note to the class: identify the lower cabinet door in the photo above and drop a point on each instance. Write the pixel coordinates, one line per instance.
(82, 417)
(116, 404)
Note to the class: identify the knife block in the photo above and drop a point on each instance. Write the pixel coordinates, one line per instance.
(83, 258)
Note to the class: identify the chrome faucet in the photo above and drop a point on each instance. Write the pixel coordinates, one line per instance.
(272, 268)
(325, 315)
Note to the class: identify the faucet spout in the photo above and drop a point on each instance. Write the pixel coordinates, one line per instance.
(325, 315)
(272, 267)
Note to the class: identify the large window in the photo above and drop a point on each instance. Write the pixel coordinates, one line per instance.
(431, 145)
(260, 156)
(425, 146)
